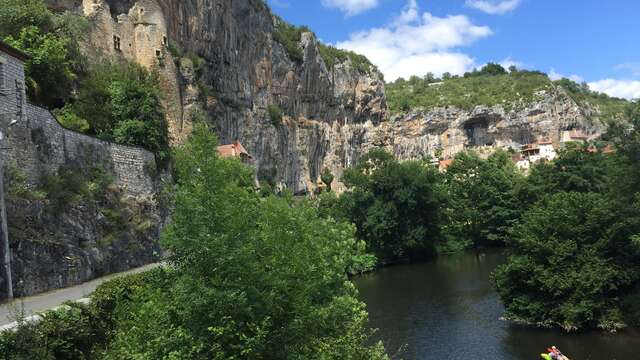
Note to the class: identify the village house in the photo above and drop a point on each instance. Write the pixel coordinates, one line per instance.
(235, 150)
(535, 152)
(573, 136)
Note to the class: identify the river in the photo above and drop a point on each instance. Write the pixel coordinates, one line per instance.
(448, 309)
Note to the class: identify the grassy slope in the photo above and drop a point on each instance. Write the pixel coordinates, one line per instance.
(512, 91)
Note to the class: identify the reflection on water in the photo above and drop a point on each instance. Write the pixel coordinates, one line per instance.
(447, 309)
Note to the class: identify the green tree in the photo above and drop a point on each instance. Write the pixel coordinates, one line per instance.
(52, 42)
(256, 277)
(481, 200)
(16, 15)
(327, 178)
(576, 169)
(492, 69)
(394, 205)
(49, 71)
(121, 102)
(569, 265)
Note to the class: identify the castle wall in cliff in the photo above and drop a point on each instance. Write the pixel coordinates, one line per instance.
(53, 250)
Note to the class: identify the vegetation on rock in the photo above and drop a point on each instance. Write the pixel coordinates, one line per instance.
(494, 86)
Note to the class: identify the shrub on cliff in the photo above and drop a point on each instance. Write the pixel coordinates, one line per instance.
(289, 37)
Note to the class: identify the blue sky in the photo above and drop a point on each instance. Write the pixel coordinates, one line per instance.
(596, 41)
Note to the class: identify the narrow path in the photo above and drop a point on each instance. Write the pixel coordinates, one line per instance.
(34, 304)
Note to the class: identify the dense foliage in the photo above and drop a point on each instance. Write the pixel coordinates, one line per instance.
(332, 56)
(487, 87)
(575, 257)
(82, 331)
(119, 102)
(482, 200)
(51, 40)
(394, 205)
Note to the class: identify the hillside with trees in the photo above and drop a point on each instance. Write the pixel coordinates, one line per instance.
(492, 85)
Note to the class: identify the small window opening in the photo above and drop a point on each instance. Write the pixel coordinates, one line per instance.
(141, 11)
(2, 75)
(158, 54)
(116, 42)
(165, 41)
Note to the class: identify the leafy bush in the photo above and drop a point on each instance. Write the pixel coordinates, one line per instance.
(71, 120)
(81, 331)
(275, 115)
(71, 184)
(333, 56)
(121, 102)
(327, 178)
(289, 37)
(608, 109)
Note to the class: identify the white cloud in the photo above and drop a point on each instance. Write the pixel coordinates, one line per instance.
(415, 44)
(508, 62)
(628, 89)
(494, 7)
(351, 7)
(633, 68)
(554, 75)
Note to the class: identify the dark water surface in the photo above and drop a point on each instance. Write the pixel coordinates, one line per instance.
(448, 309)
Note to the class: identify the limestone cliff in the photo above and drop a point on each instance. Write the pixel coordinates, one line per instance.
(332, 114)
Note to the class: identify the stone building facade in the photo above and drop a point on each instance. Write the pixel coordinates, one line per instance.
(55, 250)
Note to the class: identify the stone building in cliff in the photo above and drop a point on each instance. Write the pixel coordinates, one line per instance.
(139, 35)
(235, 150)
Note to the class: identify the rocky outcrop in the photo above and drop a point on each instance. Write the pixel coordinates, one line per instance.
(331, 114)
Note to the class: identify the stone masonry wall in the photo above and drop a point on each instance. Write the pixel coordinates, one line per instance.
(87, 238)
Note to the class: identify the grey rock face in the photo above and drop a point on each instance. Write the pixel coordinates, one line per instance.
(331, 115)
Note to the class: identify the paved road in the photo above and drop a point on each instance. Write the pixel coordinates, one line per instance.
(32, 305)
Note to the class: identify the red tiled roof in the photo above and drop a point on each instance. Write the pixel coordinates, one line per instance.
(233, 150)
(576, 134)
(444, 164)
